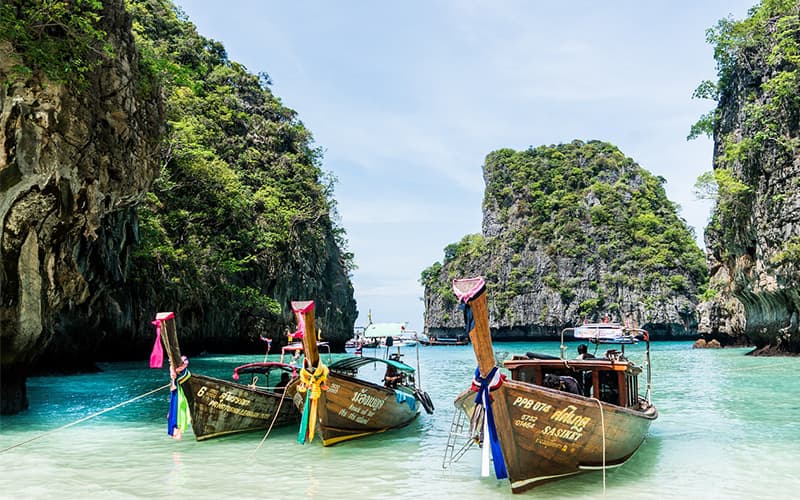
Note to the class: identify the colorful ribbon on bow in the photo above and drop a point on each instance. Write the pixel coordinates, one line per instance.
(469, 320)
(478, 285)
(178, 416)
(301, 321)
(492, 381)
(312, 384)
(157, 356)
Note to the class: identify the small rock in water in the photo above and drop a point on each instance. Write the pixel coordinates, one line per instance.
(702, 344)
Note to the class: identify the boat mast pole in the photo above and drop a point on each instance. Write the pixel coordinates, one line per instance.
(647, 339)
(475, 291)
(419, 372)
(306, 310)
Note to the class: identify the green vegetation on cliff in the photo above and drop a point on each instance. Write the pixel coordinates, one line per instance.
(758, 62)
(570, 217)
(241, 204)
(60, 38)
(753, 239)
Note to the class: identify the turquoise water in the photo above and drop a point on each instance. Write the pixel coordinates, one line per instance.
(728, 428)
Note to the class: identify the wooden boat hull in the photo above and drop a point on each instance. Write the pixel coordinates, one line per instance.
(218, 407)
(353, 408)
(546, 434)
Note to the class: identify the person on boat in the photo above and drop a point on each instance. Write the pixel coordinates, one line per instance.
(285, 378)
(296, 357)
(562, 383)
(583, 352)
(392, 376)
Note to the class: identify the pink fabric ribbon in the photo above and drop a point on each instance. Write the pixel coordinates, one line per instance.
(157, 356)
(466, 289)
(299, 309)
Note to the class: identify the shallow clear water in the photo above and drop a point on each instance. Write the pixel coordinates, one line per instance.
(728, 428)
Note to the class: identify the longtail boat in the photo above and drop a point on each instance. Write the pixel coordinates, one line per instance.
(217, 407)
(553, 417)
(341, 406)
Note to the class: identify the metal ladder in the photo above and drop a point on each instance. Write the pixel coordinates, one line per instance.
(457, 435)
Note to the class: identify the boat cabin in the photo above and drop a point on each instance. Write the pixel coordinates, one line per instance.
(349, 367)
(612, 379)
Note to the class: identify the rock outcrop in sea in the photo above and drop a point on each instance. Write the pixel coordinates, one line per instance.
(572, 232)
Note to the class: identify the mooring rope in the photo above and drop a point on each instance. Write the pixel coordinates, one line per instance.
(603, 428)
(274, 418)
(84, 418)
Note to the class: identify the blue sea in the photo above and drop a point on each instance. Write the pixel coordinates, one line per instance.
(729, 427)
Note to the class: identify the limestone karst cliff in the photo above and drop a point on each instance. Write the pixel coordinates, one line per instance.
(753, 238)
(75, 159)
(572, 232)
(166, 177)
(241, 219)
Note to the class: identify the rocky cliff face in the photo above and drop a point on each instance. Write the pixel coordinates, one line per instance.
(572, 232)
(72, 165)
(103, 226)
(754, 236)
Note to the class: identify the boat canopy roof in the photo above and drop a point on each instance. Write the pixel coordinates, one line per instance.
(601, 364)
(356, 362)
(385, 330)
(263, 368)
(607, 333)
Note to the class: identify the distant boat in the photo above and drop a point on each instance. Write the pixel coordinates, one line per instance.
(606, 332)
(219, 407)
(407, 339)
(358, 339)
(359, 342)
(341, 406)
(457, 340)
(422, 338)
(554, 417)
(389, 335)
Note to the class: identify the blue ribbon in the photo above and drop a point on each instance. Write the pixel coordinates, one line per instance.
(484, 399)
(172, 415)
(469, 321)
(178, 406)
(402, 398)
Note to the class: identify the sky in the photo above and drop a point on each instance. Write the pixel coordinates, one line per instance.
(407, 98)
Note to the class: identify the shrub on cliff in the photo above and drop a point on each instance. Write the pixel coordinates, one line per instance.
(61, 39)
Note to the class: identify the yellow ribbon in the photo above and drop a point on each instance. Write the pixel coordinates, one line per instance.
(314, 382)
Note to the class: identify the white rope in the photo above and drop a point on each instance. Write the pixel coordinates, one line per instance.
(274, 418)
(84, 418)
(603, 428)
